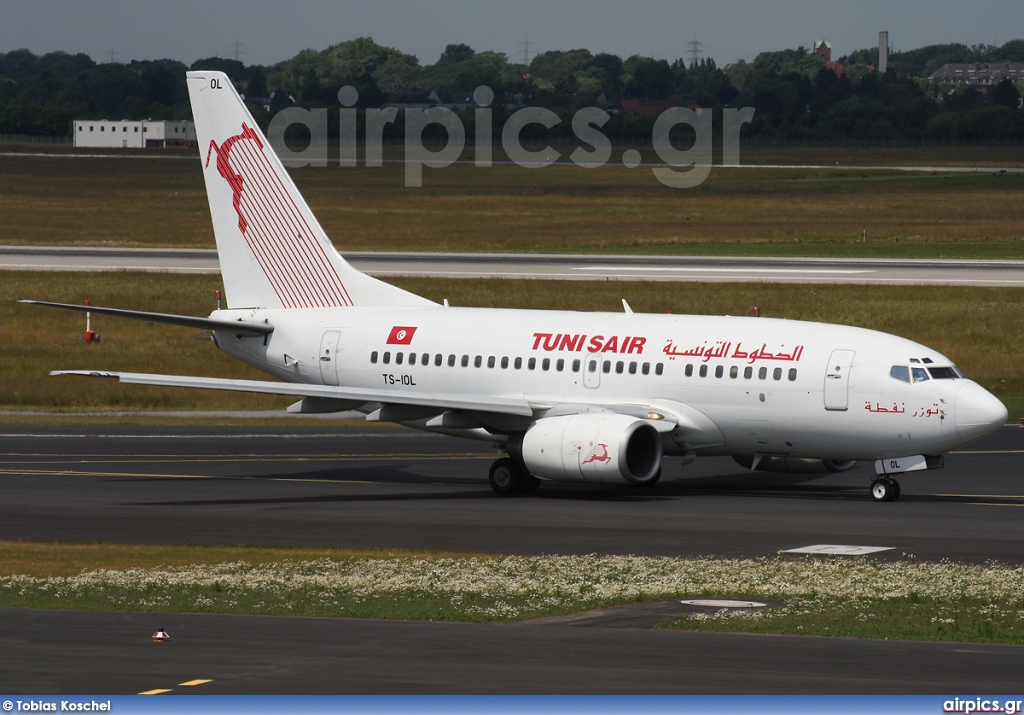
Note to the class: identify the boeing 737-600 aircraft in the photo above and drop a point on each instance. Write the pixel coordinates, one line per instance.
(568, 396)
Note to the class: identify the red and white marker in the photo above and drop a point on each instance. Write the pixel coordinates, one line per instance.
(160, 636)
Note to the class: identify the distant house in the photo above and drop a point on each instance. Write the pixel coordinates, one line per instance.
(979, 74)
(127, 134)
(823, 49)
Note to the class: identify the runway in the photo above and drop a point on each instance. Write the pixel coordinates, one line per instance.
(554, 267)
(398, 488)
(394, 488)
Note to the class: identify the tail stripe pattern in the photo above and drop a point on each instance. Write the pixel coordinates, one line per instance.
(274, 228)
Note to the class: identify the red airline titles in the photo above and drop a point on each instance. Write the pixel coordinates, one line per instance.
(567, 342)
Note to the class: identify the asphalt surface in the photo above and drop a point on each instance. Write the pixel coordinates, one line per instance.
(560, 267)
(397, 488)
(61, 652)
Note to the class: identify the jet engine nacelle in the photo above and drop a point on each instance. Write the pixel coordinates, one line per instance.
(606, 448)
(796, 464)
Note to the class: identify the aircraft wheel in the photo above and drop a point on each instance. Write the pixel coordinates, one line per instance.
(507, 477)
(884, 489)
(531, 484)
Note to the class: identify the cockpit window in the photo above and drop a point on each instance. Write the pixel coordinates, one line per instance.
(919, 374)
(944, 373)
(900, 372)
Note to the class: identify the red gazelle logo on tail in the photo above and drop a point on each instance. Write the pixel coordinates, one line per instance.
(275, 226)
(234, 179)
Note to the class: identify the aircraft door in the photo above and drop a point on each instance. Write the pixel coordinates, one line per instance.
(592, 371)
(837, 379)
(329, 357)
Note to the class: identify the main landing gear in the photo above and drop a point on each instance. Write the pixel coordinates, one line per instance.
(885, 489)
(508, 476)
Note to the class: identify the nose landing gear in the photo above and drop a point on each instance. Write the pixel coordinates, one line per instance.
(885, 489)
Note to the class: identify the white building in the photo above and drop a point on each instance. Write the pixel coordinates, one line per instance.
(133, 134)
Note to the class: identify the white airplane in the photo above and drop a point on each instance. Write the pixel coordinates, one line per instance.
(568, 396)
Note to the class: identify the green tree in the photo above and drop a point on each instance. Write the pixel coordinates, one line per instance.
(454, 54)
(645, 77)
(257, 87)
(1005, 94)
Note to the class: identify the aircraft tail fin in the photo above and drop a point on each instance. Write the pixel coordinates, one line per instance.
(273, 252)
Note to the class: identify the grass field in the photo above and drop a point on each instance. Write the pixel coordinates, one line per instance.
(847, 597)
(979, 328)
(562, 208)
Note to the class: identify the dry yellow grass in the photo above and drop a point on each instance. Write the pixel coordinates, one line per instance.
(151, 202)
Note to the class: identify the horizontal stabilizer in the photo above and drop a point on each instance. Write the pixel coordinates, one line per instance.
(240, 327)
(473, 403)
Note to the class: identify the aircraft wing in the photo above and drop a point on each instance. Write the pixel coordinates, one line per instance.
(482, 403)
(239, 326)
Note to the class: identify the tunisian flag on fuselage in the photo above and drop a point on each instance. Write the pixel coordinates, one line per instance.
(401, 335)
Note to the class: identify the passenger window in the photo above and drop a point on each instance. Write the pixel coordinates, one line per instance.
(777, 373)
(689, 371)
(399, 357)
(451, 361)
(792, 374)
(465, 361)
(387, 358)
(373, 358)
(490, 361)
(762, 374)
(659, 368)
(646, 368)
(531, 364)
(504, 363)
(478, 361)
(518, 364)
(703, 372)
(560, 364)
(412, 358)
(734, 372)
(592, 366)
(919, 374)
(575, 365)
(545, 364)
(619, 367)
(425, 359)
(719, 370)
(901, 373)
(632, 368)
(606, 367)
(438, 359)
(748, 372)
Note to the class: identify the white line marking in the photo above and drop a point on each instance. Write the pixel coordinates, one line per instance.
(723, 603)
(838, 550)
(697, 269)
